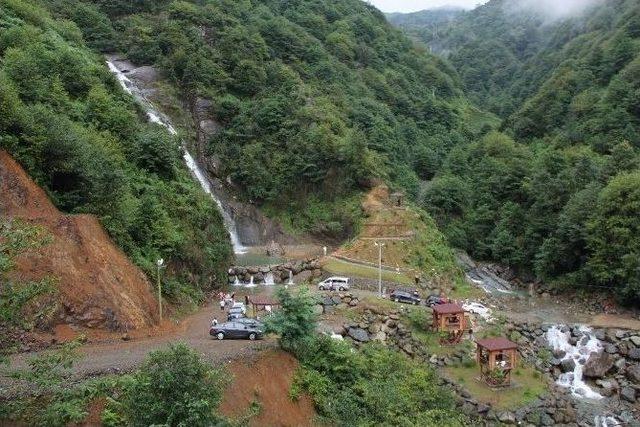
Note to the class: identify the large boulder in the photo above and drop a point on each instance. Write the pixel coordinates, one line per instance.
(634, 354)
(507, 418)
(598, 365)
(628, 394)
(359, 334)
(633, 373)
(567, 365)
(275, 249)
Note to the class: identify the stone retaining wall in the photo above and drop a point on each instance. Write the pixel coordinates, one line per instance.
(300, 270)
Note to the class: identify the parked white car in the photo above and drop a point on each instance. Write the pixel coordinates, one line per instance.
(241, 306)
(335, 284)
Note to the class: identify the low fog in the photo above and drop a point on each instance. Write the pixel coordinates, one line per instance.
(553, 9)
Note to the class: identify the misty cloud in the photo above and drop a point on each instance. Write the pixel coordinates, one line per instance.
(553, 9)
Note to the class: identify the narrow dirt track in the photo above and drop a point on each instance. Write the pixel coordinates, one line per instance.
(124, 356)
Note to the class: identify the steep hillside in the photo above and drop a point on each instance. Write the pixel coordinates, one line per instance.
(426, 24)
(556, 193)
(316, 99)
(95, 284)
(85, 142)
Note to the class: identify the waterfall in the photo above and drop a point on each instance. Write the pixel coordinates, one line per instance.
(606, 421)
(580, 353)
(290, 282)
(155, 116)
(251, 284)
(206, 186)
(236, 282)
(268, 279)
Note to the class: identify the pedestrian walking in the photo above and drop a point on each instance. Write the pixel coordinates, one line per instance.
(222, 304)
(214, 322)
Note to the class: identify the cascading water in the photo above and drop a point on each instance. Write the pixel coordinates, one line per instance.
(290, 282)
(269, 280)
(251, 284)
(236, 282)
(559, 340)
(606, 421)
(156, 117)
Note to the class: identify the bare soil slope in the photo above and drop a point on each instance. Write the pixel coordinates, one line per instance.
(98, 287)
(267, 381)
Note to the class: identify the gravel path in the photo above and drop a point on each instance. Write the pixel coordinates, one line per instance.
(124, 356)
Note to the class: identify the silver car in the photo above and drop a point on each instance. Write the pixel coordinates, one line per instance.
(335, 284)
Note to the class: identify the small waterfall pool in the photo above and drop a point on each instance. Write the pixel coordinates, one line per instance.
(155, 116)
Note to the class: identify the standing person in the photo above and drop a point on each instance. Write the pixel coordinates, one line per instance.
(214, 322)
(222, 304)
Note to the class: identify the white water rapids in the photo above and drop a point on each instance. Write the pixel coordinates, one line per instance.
(156, 117)
(580, 354)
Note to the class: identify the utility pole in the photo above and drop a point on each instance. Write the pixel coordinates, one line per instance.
(379, 245)
(160, 264)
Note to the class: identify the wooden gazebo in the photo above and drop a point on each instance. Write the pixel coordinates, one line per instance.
(497, 358)
(449, 320)
(261, 303)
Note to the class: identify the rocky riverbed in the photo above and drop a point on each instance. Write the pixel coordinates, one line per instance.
(607, 362)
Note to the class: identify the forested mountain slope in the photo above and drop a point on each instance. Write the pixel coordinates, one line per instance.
(80, 137)
(426, 24)
(316, 98)
(558, 192)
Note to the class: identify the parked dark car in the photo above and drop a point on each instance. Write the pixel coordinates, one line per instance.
(405, 297)
(239, 329)
(433, 300)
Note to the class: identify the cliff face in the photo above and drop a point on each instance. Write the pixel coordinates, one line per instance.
(98, 286)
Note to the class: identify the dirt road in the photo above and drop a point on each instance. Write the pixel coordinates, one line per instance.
(124, 356)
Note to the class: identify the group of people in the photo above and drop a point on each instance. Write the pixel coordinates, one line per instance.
(226, 299)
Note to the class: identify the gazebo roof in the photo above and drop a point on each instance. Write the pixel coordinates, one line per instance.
(448, 309)
(262, 300)
(496, 344)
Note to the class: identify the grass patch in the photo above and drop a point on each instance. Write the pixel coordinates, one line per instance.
(527, 385)
(335, 266)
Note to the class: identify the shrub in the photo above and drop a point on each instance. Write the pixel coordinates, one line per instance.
(295, 322)
(173, 387)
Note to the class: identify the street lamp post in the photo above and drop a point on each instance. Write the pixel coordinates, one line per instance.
(160, 264)
(379, 245)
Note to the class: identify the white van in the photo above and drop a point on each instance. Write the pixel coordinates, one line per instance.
(334, 284)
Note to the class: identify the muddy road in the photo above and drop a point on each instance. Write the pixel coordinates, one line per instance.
(118, 356)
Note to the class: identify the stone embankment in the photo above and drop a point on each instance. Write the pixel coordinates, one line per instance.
(299, 271)
(335, 301)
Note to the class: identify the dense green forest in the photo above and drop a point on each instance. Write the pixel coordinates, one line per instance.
(64, 117)
(556, 193)
(319, 99)
(316, 98)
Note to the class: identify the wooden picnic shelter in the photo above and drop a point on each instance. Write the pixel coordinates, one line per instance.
(450, 321)
(260, 303)
(497, 357)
